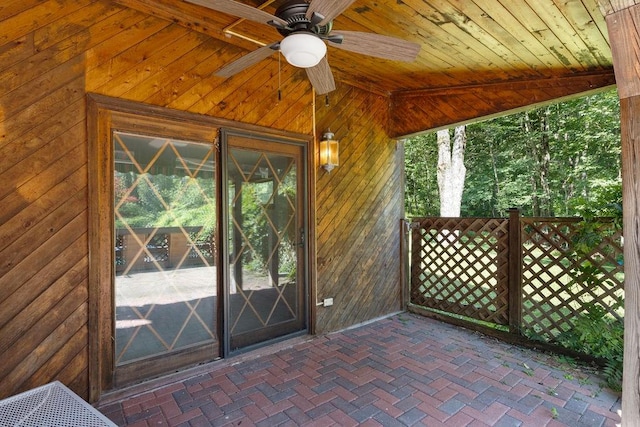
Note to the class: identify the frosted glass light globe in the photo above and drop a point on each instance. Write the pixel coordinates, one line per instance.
(303, 50)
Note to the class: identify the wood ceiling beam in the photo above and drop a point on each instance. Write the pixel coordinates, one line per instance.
(196, 18)
(414, 112)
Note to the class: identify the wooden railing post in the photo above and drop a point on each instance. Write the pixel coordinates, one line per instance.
(623, 27)
(404, 261)
(515, 272)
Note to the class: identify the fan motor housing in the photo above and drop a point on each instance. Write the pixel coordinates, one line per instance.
(294, 13)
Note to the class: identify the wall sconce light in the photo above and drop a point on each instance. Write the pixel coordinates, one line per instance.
(329, 151)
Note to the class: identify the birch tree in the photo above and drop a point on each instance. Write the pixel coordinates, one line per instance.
(451, 170)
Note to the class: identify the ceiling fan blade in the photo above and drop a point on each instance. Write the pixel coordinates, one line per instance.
(376, 45)
(321, 77)
(238, 9)
(328, 8)
(248, 60)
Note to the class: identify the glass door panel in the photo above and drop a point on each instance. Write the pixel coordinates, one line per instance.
(165, 251)
(266, 238)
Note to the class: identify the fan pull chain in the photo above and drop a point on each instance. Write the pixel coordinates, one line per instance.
(279, 82)
(326, 100)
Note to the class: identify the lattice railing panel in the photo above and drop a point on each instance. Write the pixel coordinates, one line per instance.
(459, 265)
(462, 267)
(555, 287)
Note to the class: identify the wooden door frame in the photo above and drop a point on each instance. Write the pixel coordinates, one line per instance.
(105, 114)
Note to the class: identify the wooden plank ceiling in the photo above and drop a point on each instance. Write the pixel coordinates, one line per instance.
(464, 44)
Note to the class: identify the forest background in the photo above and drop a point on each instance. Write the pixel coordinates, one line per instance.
(561, 159)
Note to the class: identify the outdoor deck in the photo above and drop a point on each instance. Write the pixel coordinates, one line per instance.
(402, 370)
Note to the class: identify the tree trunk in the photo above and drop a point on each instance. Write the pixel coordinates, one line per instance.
(536, 129)
(535, 203)
(451, 170)
(496, 181)
(544, 163)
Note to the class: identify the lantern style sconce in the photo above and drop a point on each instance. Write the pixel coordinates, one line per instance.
(329, 151)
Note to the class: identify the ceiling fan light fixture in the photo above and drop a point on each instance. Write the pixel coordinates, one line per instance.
(303, 50)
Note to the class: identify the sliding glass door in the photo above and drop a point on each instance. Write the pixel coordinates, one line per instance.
(265, 290)
(197, 240)
(167, 249)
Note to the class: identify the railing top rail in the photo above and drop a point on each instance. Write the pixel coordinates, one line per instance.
(160, 230)
(523, 218)
(420, 218)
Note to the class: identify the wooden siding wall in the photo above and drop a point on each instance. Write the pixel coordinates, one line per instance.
(359, 205)
(52, 54)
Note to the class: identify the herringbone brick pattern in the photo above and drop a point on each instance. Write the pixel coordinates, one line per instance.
(405, 370)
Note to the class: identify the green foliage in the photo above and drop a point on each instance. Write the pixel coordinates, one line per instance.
(555, 160)
(596, 331)
(157, 200)
(259, 217)
(421, 160)
(165, 201)
(605, 201)
(598, 334)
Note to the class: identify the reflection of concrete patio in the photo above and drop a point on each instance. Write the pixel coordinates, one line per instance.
(160, 311)
(165, 287)
(405, 370)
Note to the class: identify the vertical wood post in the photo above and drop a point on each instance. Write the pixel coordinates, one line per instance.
(624, 28)
(404, 262)
(630, 118)
(515, 272)
(416, 243)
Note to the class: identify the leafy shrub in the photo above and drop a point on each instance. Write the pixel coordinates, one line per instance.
(598, 334)
(598, 331)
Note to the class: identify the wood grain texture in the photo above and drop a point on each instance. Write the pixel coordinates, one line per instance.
(414, 111)
(358, 252)
(164, 53)
(321, 77)
(471, 42)
(611, 6)
(625, 33)
(630, 123)
(377, 45)
(248, 60)
(52, 53)
(239, 10)
(624, 27)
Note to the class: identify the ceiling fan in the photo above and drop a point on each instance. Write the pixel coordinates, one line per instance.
(306, 27)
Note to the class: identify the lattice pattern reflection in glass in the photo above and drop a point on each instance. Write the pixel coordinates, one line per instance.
(263, 200)
(553, 291)
(165, 222)
(459, 266)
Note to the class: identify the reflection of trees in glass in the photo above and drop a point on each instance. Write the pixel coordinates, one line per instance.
(267, 221)
(287, 192)
(254, 227)
(165, 201)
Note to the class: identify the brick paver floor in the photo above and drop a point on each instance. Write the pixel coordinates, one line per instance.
(404, 370)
